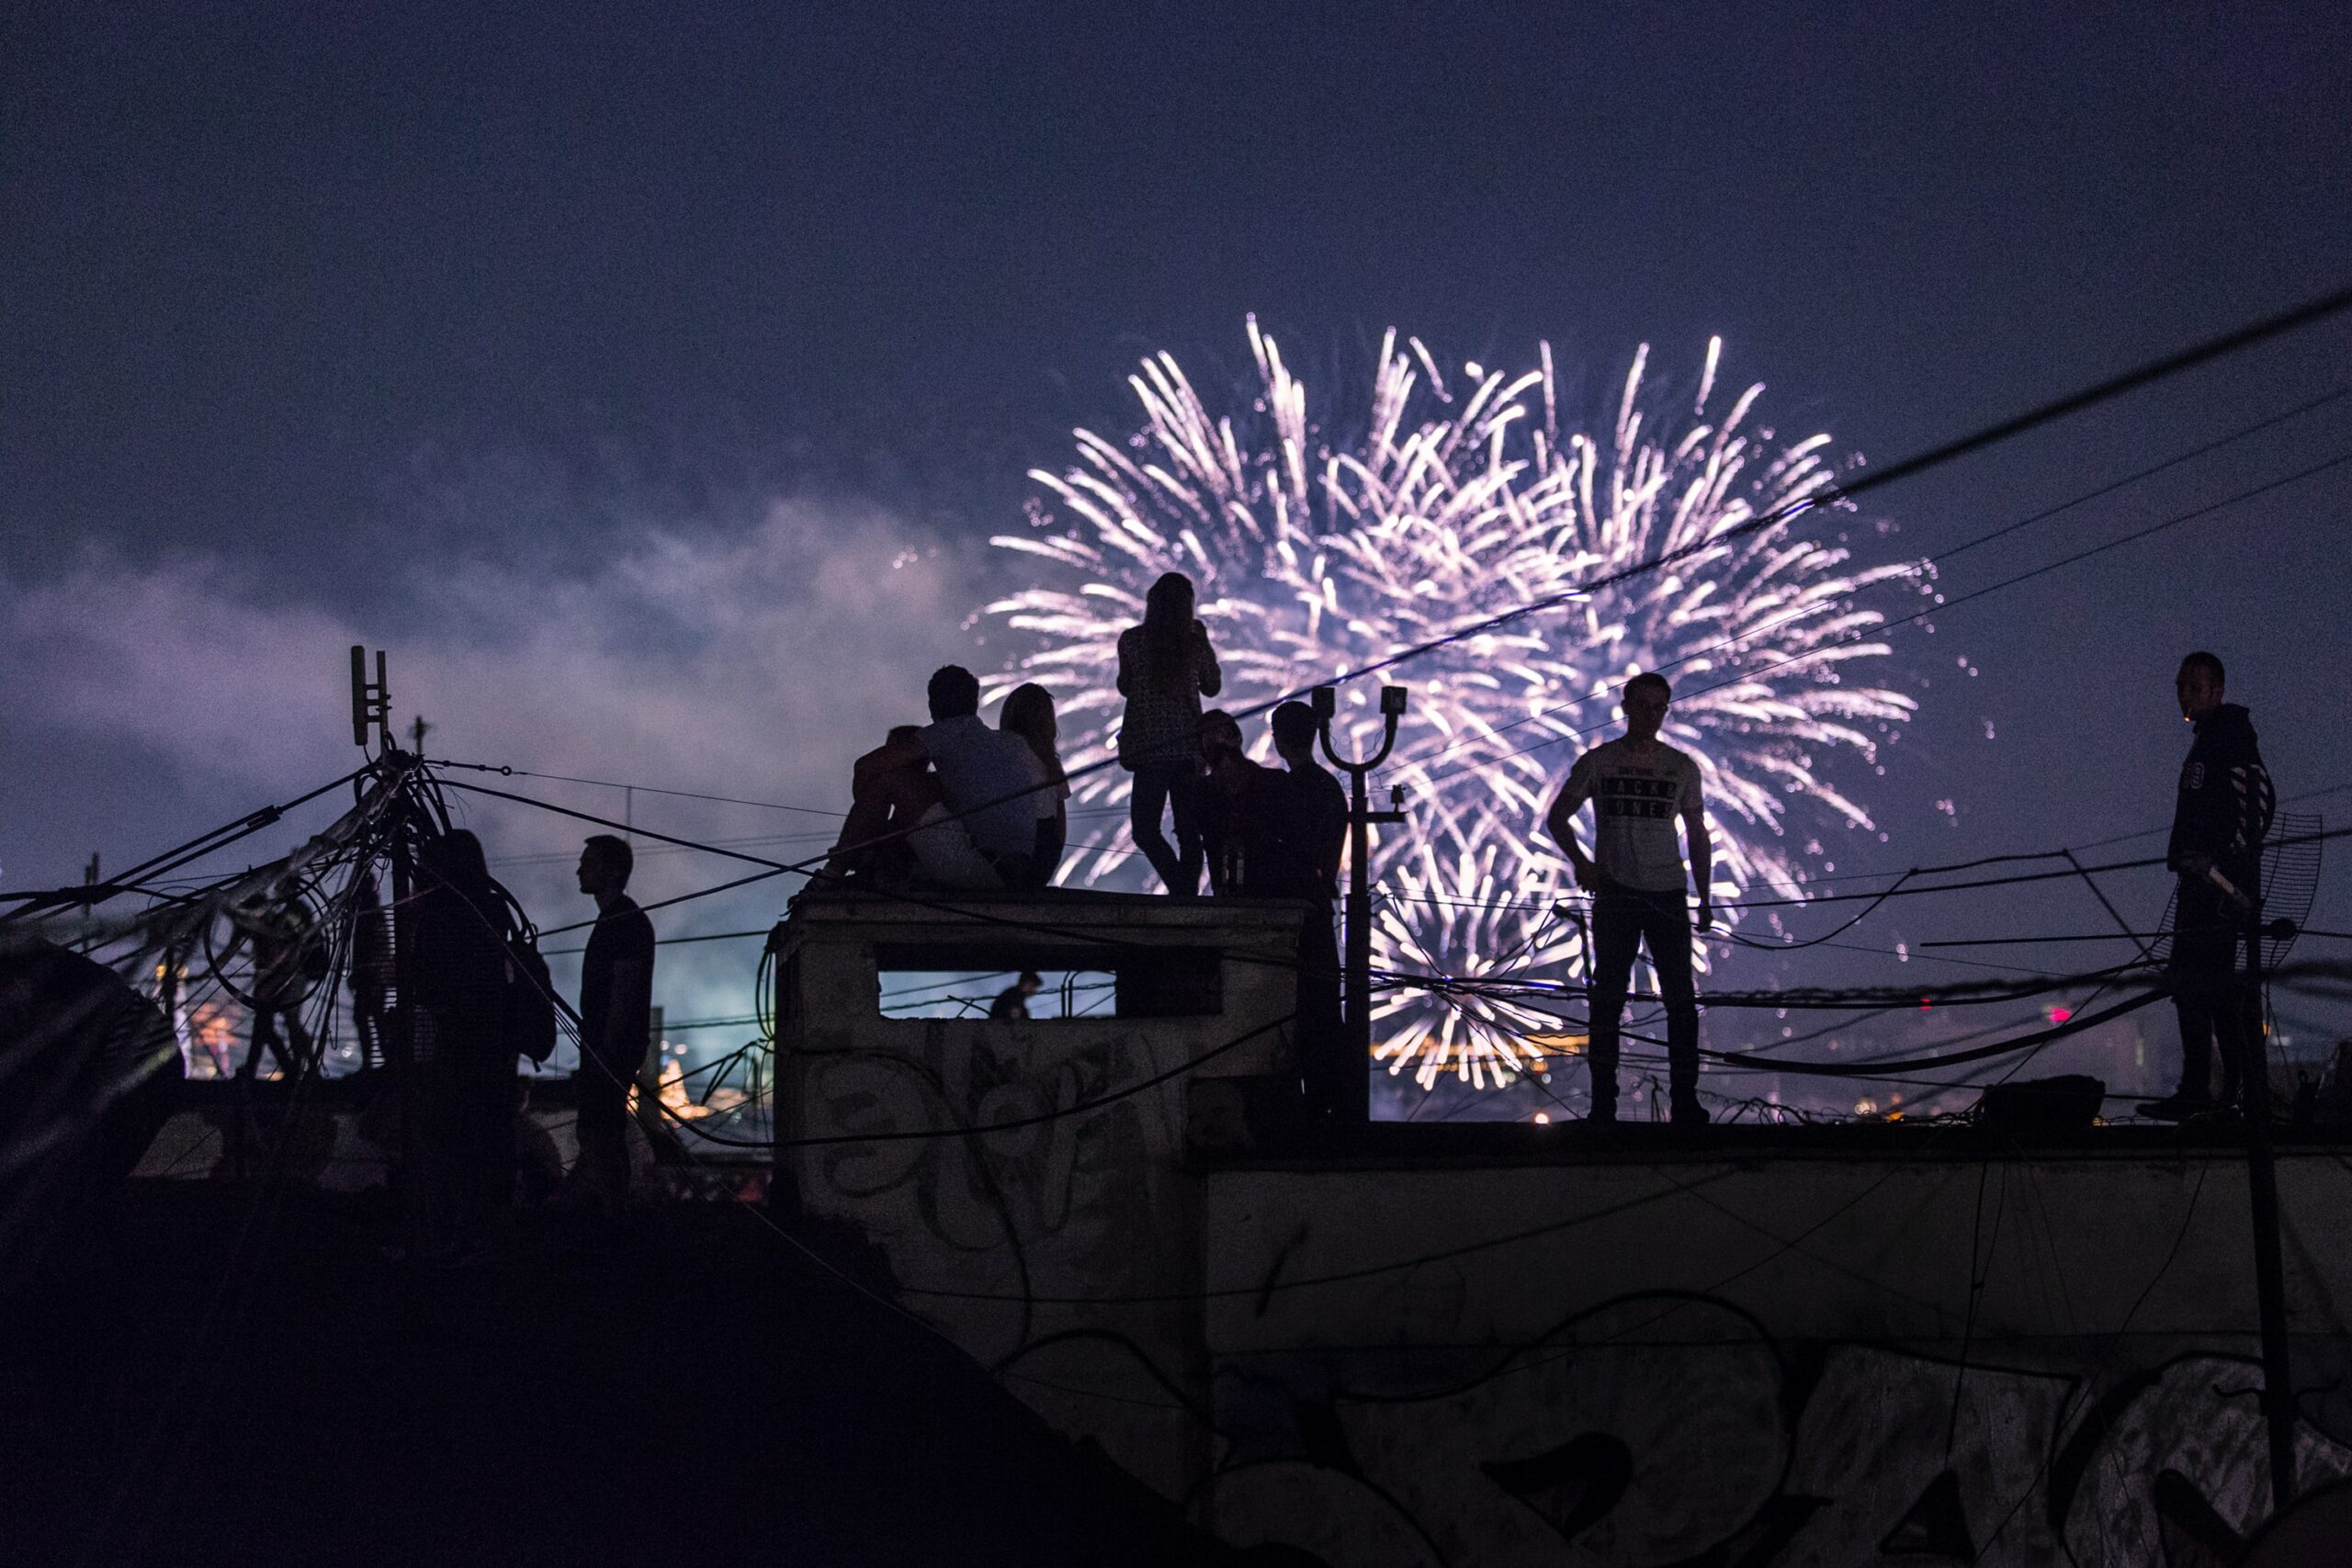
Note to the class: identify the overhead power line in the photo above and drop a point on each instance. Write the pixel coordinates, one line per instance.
(170, 859)
(2075, 402)
(1941, 558)
(640, 789)
(1883, 627)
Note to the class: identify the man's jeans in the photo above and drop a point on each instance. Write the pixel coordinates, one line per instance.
(2210, 994)
(1623, 919)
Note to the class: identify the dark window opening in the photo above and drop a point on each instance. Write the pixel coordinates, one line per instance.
(966, 993)
(962, 980)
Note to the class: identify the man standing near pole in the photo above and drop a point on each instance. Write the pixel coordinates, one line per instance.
(1638, 786)
(616, 1021)
(2218, 818)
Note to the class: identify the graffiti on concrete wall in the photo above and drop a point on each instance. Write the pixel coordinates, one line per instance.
(1053, 1237)
(1603, 1445)
(1054, 1188)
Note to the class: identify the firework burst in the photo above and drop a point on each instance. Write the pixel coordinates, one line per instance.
(1317, 553)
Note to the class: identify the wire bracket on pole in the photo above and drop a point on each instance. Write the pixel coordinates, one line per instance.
(1354, 1086)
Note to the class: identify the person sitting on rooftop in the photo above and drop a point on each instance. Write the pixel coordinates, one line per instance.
(899, 832)
(1028, 712)
(993, 789)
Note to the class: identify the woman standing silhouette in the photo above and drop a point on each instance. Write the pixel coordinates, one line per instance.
(1166, 666)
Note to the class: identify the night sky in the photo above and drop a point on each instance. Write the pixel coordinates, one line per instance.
(600, 363)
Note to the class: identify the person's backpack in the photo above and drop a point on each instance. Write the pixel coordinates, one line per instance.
(529, 1009)
(2066, 1103)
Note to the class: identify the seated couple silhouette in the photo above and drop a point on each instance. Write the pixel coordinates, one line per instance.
(955, 805)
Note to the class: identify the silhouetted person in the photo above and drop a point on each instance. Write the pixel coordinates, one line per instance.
(1228, 783)
(995, 789)
(285, 968)
(1028, 712)
(370, 934)
(467, 1086)
(900, 833)
(1013, 1002)
(616, 1021)
(1283, 827)
(1279, 834)
(1166, 666)
(1310, 811)
(2219, 820)
(1639, 786)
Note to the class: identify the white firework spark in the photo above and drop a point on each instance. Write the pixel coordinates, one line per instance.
(1316, 555)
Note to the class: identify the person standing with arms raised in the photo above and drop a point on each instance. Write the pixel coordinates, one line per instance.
(1638, 786)
(1166, 666)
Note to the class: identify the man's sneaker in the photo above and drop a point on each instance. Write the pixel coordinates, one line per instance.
(1691, 1114)
(2177, 1107)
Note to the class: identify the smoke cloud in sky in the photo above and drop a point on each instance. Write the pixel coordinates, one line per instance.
(719, 659)
(753, 663)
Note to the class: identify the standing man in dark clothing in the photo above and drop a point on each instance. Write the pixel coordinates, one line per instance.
(616, 1020)
(1317, 825)
(1278, 835)
(2219, 821)
(1638, 786)
(1312, 819)
(1279, 832)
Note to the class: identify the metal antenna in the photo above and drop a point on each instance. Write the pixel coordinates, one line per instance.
(371, 700)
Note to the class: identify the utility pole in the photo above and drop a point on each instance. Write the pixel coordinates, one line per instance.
(1355, 1085)
(2262, 1187)
(371, 720)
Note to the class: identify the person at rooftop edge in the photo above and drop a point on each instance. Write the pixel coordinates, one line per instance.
(2220, 816)
(1638, 786)
(1166, 666)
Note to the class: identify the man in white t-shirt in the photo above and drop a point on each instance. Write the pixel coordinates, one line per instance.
(1639, 787)
(996, 789)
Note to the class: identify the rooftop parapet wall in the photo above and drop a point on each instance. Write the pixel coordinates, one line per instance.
(1840, 1248)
